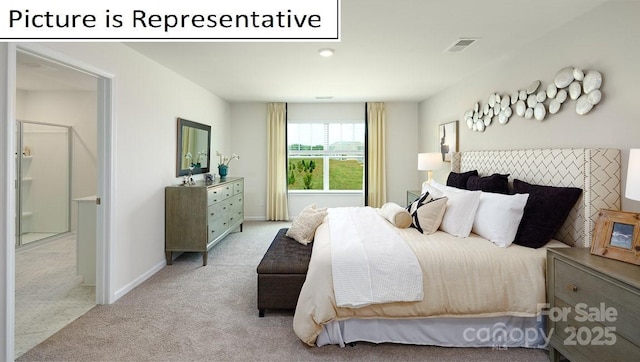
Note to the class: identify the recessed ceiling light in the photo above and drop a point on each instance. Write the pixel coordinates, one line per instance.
(326, 52)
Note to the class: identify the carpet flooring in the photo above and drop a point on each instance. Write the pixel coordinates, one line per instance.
(187, 312)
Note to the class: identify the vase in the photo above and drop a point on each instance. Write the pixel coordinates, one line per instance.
(223, 170)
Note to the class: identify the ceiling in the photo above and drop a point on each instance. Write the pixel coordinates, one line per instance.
(34, 73)
(389, 51)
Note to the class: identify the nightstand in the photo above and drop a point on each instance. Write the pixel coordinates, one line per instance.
(412, 195)
(593, 306)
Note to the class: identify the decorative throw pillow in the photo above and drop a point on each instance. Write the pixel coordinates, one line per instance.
(427, 195)
(396, 215)
(426, 217)
(495, 183)
(546, 210)
(303, 228)
(459, 180)
(498, 217)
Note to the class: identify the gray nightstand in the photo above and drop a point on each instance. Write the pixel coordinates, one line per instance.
(593, 304)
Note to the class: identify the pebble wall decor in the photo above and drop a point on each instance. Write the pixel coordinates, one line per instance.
(535, 102)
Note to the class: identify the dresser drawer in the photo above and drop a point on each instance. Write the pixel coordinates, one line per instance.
(586, 293)
(235, 203)
(238, 187)
(220, 193)
(216, 228)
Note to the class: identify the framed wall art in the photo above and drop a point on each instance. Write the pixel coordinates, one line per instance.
(448, 139)
(617, 236)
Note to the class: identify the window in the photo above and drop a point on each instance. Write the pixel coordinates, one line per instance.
(327, 156)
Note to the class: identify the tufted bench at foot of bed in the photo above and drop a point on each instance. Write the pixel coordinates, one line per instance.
(281, 273)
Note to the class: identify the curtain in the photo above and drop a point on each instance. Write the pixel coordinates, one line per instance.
(277, 208)
(376, 182)
(188, 137)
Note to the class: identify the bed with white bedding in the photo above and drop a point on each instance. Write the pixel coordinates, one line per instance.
(474, 293)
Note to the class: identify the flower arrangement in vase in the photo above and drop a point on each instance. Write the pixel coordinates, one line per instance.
(223, 163)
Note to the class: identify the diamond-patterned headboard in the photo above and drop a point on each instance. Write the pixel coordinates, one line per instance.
(596, 171)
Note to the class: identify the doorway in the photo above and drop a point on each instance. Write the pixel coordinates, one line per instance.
(51, 88)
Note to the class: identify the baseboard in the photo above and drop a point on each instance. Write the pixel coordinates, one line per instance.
(255, 218)
(141, 279)
(261, 218)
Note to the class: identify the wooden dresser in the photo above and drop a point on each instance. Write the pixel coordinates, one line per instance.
(594, 305)
(197, 217)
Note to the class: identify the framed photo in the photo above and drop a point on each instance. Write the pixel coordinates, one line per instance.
(448, 139)
(617, 236)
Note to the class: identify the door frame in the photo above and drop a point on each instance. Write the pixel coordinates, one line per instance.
(105, 179)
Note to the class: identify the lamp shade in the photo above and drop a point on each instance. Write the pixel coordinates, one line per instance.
(429, 161)
(633, 175)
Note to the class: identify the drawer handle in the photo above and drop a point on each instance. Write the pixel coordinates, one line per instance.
(572, 288)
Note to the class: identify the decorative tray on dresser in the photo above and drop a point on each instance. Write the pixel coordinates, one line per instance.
(594, 307)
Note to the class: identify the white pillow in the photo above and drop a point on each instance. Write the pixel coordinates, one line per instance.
(498, 217)
(303, 228)
(434, 192)
(396, 214)
(461, 208)
(441, 187)
(461, 211)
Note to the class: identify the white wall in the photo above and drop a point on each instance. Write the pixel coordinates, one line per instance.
(249, 140)
(604, 39)
(148, 99)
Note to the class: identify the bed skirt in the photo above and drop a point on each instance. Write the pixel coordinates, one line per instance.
(493, 332)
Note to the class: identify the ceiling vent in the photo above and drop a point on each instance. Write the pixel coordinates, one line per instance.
(461, 45)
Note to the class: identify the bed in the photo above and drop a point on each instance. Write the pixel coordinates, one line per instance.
(462, 304)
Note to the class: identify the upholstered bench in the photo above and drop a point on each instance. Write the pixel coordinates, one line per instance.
(281, 273)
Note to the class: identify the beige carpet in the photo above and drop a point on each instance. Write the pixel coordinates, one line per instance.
(187, 312)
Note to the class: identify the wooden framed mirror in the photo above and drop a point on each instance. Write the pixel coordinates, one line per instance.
(193, 148)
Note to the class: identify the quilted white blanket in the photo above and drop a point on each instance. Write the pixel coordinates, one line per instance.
(371, 263)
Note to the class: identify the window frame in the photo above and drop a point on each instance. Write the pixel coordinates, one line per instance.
(326, 154)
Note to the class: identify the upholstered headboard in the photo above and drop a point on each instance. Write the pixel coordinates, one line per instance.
(596, 171)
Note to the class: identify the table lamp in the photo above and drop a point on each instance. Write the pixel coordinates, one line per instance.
(633, 175)
(429, 162)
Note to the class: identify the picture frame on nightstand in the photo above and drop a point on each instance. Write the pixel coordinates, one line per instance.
(617, 236)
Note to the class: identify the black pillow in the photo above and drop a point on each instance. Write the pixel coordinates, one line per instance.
(546, 210)
(494, 183)
(459, 180)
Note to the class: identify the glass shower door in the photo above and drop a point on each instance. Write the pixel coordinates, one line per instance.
(44, 187)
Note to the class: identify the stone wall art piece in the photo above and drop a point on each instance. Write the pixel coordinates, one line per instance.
(537, 101)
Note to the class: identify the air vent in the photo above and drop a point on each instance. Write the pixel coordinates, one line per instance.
(461, 45)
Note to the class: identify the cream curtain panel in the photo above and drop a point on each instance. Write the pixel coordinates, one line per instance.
(376, 176)
(277, 209)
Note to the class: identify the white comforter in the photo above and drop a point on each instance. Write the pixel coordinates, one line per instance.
(370, 262)
(468, 277)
